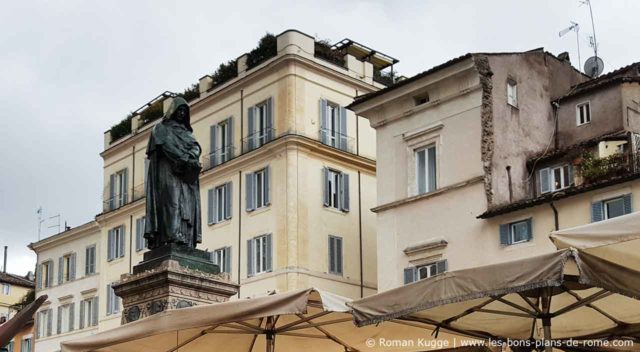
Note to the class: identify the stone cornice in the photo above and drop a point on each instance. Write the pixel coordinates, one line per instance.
(56, 240)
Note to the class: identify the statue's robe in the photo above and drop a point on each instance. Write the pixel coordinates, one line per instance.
(172, 187)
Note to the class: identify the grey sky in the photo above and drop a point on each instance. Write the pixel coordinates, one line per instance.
(71, 69)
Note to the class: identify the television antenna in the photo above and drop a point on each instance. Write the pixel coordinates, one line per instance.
(576, 28)
(594, 65)
(40, 221)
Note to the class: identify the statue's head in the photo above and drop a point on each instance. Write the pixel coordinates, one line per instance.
(179, 111)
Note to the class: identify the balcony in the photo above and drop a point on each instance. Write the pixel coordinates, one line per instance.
(594, 169)
(217, 157)
(258, 139)
(114, 202)
(337, 140)
(138, 192)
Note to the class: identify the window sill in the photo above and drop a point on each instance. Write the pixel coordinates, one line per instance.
(115, 260)
(520, 245)
(220, 223)
(259, 210)
(335, 210)
(583, 124)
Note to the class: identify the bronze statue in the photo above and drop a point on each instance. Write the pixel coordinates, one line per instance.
(172, 189)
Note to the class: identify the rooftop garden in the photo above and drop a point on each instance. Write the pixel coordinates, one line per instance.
(324, 51)
(224, 73)
(122, 128)
(593, 168)
(388, 78)
(266, 49)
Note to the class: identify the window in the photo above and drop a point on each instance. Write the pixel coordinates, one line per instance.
(43, 323)
(46, 274)
(426, 169)
(333, 125)
(26, 345)
(118, 189)
(115, 243)
(336, 189)
(512, 93)
(10, 347)
(66, 318)
(258, 189)
(6, 289)
(335, 255)
(421, 99)
(219, 203)
(516, 232)
(421, 272)
(221, 139)
(67, 268)
(141, 242)
(113, 301)
(583, 113)
(89, 312)
(259, 255)
(260, 120)
(90, 260)
(555, 178)
(222, 258)
(611, 208)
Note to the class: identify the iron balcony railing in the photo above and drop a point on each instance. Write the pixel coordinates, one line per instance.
(217, 157)
(337, 140)
(122, 199)
(258, 139)
(138, 192)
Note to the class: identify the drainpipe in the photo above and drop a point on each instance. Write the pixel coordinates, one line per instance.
(555, 216)
(556, 106)
(239, 227)
(241, 125)
(360, 234)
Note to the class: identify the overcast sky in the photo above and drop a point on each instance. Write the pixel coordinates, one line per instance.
(71, 69)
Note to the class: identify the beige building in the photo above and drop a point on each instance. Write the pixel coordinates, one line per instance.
(481, 157)
(13, 290)
(287, 185)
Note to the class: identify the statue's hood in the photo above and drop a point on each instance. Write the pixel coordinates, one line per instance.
(175, 104)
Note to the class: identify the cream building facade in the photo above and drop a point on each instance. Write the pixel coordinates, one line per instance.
(287, 185)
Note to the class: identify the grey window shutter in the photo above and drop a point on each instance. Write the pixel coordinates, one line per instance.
(505, 239)
(37, 321)
(327, 186)
(596, 212)
(138, 235)
(332, 254)
(250, 189)
(50, 274)
(343, 129)
(441, 266)
(270, 132)
(228, 194)
(109, 300)
(431, 169)
(210, 206)
(230, 135)
(59, 319)
(95, 308)
(251, 124)
(529, 229)
(250, 258)
(112, 191)
(324, 138)
(122, 236)
(81, 320)
(125, 186)
(267, 185)
(87, 260)
(110, 245)
(39, 277)
(409, 275)
(72, 316)
(49, 321)
(627, 203)
(545, 184)
(338, 255)
(213, 145)
(227, 259)
(60, 269)
(345, 192)
(72, 267)
(269, 253)
(146, 171)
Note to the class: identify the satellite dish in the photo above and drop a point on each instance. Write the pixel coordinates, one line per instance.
(593, 67)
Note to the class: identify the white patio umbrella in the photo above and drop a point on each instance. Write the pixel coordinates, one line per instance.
(307, 320)
(616, 240)
(540, 301)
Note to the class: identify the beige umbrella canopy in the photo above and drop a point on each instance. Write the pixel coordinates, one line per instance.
(616, 240)
(306, 320)
(562, 295)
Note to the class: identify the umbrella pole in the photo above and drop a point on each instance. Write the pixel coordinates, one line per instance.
(546, 320)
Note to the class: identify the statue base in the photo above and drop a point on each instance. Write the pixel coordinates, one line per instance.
(172, 277)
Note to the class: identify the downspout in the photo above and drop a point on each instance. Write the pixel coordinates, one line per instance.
(556, 106)
(130, 244)
(133, 189)
(239, 227)
(555, 216)
(360, 234)
(241, 124)
(357, 131)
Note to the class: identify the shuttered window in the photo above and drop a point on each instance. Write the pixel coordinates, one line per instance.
(222, 258)
(26, 345)
(219, 201)
(66, 318)
(141, 242)
(118, 189)
(257, 189)
(46, 274)
(113, 301)
(611, 208)
(516, 232)
(221, 142)
(336, 189)
(335, 255)
(67, 268)
(415, 273)
(333, 125)
(259, 255)
(88, 313)
(426, 169)
(44, 323)
(555, 178)
(90, 260)
(260, 124)
(116, 243)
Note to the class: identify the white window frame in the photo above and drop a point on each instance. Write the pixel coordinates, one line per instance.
(333, 124)
(512, 92)
(262, 123)
(512, 231)
(118, 237)
(431, 270)
(90, 261)
(260, 255)
(605, 208)
(220, 198)
(225, 140)
(66, 268)
(46, 275)
(88, 312)
(23, 345)
(65, 318)
(220, 258)
(425, 150)
(113, 301)
(120, 188)
(335, 189)
(6, 289)
(43, 323)
(578, 111)
(564, 168)
(260, 188)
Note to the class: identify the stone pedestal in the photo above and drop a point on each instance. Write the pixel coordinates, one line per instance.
(172, 277)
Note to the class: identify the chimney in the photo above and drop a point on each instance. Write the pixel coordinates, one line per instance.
(4, 268)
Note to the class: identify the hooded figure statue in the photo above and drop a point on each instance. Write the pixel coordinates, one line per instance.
(172, 189)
